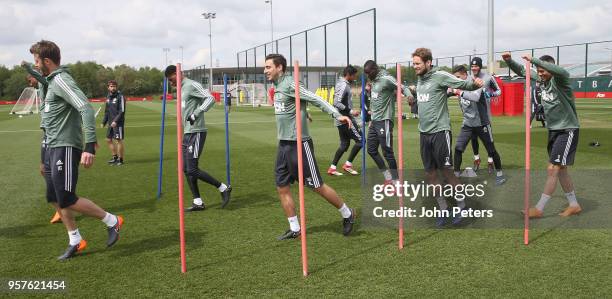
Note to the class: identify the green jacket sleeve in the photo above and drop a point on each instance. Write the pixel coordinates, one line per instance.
(71, 93)
(38, 76)
(562, 77)
(520, 70)
(207, 100)
(308, 96)
(392, 83)
(448, 80)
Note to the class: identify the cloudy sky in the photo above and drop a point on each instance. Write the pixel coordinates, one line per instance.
(134, 32)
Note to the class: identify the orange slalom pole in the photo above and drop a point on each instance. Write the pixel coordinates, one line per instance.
(527, 148)
(298, 128)
(400, 147)
(179, 143)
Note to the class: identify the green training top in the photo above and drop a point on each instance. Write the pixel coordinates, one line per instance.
(557, 95)
(67, 115)
(432, 99)
(383, 96)
(194, 100)
(284, 108)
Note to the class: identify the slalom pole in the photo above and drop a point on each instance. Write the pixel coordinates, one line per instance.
(161, 140)
(527, 148)
(298, 132)
(400, 147)
(179, 143)
(363, 130)
(227, 146)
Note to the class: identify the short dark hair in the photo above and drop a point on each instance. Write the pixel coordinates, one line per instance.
(424, 53)
(278, 59)
(47, 49)
(547, 58)
(460, 69)
(349, 70)
(112, 82)
(369, 66)
(170, 70)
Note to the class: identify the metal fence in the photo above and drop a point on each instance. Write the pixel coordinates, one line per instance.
(582, 60)
(349, 40)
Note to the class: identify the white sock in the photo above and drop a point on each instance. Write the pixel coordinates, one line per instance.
(476, 157)
(571, 199)
(543, 200)
(198, 201)
(294, 224)
(387, 175)
(500, 173)
(345, 211)
(333, 167)
(223, 187)
(75, 237)
(490, 160)
(457, 173)
(442, 203)
(110, 219)
(347, 163)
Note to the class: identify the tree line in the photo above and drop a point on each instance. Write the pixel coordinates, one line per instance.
(92, 78)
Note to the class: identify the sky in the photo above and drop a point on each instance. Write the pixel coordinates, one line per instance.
(134, 32)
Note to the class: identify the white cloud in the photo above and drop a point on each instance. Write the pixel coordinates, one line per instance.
(135, 31)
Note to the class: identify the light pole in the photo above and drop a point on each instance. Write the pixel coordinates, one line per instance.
(271, 22)
(490, 39)
(209, 16)
(166, 50)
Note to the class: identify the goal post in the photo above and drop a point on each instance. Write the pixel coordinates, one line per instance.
(27, 103)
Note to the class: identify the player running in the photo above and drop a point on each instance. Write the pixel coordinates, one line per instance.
(343, 101)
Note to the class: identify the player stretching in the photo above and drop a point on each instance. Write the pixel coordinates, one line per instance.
(286, 160)
(562, 123)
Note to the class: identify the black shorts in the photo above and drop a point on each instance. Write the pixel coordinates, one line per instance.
(287, 164)
(562, 145)
(61, 168)
(346, 133)
(115, 133)
(193, 144)
(471, 133)
(436, 150)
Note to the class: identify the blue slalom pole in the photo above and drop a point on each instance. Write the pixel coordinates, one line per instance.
(227, 146)
(161, 142)
(363, 130)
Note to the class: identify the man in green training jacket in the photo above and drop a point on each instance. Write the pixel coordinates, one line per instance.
(286, 161)
(66, 118)
(434, 122)
(195, 100)
(562, 123)
(383, 99)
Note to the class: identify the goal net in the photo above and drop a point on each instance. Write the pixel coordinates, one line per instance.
(27, 103)
(246, 94)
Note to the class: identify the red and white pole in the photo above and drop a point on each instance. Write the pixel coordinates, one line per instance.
(298, 128)
(400, 148)
(179, 143)
(527, 148)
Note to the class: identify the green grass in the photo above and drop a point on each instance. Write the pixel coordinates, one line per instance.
(233, 252)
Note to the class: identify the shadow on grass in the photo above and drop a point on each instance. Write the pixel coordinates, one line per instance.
(20, 231)
(169, 239)
(148, 204)
(246, 201)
